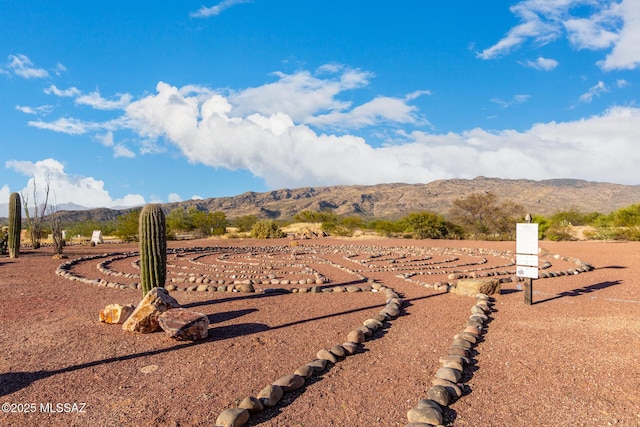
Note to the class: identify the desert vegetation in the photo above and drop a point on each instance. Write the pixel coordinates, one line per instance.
(479, 216)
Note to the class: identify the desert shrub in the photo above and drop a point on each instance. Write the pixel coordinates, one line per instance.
(245, 223)
(127, 226)
(425, 225)
(481, 216)
(385, 227)
(85, 228)
(266, 229)
(314, 216)
(197, 222)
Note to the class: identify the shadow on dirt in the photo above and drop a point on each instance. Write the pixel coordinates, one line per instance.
(11, 382)
(581, 291)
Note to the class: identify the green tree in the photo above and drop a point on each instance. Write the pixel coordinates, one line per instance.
(482, 216)
(266, 229)
(426, 225)
(127, 226)
(245, 223)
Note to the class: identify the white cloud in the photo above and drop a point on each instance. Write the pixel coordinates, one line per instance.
(614, 24)
(96, 101)
(216, 10)
(174, 197)
(85, 191)
(300, 95)
(543, 64)
(517, 99)
(626, 52)
(119, 150)
(5, 192)
(69, 126)
(594, 91)
(289, 154)
(196, 197)
(53, 89)
(379, 110)
(43, 109)
(22, 66)
(622, 83)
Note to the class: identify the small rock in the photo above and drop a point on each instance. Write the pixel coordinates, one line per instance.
(425, 415)
(234, 417)
(439, 394)
(116, 313)
(305, 371)
(270, 395)
(252, 404)
(356, 336)
(325, 354)
(290, 383)
(338, 351)
(448, 374)
(318, 365)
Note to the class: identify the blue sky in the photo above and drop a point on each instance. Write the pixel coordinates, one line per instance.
(139, 102)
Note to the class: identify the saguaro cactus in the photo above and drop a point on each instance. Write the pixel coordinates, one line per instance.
(15, 224)
(153, 248)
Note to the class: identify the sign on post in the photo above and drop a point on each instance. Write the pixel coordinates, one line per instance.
(527, 255)
(96, 237)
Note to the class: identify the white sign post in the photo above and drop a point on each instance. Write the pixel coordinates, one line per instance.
(96, 237)
(527, 255)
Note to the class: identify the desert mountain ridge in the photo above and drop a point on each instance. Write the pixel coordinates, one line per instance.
(392, 201)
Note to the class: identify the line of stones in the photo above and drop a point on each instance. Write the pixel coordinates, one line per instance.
(270, 395)
(509, 275)
(446, 387)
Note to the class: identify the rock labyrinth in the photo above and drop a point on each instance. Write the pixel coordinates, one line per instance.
(308, 269)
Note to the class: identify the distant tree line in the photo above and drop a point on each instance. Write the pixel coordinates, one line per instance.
(478, 216)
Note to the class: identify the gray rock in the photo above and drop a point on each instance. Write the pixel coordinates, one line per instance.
(425, 415)
(448, 374)
(270, 395)
(234, 417)
(251, 404)
(439, 394)
(290, 383)
(325, 354)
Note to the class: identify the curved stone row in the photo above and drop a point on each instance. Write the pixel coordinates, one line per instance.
(447, 386)
(509, 275)
(355, 340)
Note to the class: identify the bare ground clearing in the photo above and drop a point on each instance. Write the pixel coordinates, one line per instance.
(568, 360)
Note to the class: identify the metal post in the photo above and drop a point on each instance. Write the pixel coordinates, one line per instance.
(528, 282)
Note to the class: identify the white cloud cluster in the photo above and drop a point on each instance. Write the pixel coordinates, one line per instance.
(64, 188)
(21, 66)
(289, 154)
(543, 64)
(614, 24)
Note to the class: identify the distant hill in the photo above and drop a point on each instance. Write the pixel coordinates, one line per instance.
(392, 201)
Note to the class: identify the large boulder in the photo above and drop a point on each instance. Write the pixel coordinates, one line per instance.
(471, 287)
(184, 325)
(144, 318)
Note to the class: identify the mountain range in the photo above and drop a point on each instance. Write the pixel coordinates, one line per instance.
(392, 201)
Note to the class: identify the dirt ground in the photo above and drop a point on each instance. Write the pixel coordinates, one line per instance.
(570, 359)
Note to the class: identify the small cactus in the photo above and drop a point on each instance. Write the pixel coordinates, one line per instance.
(153, 248)
(15, 224)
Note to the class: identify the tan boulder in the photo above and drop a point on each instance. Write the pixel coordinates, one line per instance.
(472, 287)
(144, 318)
(116, 313)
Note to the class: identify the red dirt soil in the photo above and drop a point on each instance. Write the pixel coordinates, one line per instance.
(570, 359)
